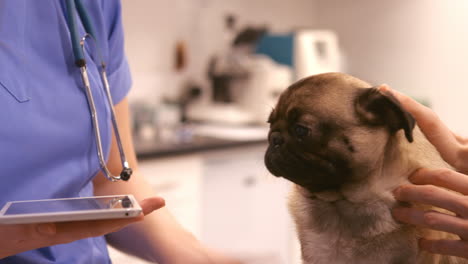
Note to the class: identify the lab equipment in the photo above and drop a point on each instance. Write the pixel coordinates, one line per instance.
(245, 86)
(307, 51)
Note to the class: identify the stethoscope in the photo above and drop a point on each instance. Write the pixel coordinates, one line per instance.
(75, 6)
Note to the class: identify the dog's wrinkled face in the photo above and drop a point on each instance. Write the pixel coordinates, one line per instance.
(330, 129)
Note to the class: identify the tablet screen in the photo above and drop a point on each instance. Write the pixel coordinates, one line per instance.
(79, 204)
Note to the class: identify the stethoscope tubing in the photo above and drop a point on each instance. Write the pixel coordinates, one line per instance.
(80, 62)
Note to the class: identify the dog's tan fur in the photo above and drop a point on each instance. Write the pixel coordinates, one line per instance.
(363, 244)
(353, 224)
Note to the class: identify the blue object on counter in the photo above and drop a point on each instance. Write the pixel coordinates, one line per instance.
(278, 47)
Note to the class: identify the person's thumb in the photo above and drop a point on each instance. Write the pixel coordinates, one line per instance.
(151, 204)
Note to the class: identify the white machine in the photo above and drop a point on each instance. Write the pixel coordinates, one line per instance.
(254, 81)
(316, 51)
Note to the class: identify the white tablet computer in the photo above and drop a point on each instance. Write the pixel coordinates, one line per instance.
(69, 209)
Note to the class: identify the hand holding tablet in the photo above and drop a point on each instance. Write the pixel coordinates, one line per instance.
(23, 237)
(69, 209)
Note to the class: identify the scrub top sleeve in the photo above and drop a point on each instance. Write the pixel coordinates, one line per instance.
(118, 70)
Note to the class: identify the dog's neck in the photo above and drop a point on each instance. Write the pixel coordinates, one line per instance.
(328, 196)
(344, 219)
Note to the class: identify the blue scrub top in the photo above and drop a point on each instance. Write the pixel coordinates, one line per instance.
(47, 145)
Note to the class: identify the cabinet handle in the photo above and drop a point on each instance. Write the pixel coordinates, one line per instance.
(250, 181)
(165, 187)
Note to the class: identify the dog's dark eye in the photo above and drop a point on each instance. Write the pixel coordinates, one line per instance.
(301, 131)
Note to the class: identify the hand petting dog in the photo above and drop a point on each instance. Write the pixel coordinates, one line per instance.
(430, 185)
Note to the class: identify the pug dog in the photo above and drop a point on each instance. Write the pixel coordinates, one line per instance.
(346, 146)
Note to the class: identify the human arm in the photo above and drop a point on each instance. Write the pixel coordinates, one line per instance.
(435, 186)
(158, 237)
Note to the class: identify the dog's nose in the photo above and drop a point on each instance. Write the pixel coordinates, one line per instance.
(276, 139)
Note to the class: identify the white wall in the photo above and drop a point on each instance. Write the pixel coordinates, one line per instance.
(419, 47)
(152, 28)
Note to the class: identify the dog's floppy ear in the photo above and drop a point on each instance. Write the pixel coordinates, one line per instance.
(382, 109)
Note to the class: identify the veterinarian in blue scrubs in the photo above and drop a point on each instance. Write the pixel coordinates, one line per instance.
(430, 186)
(48, 148)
